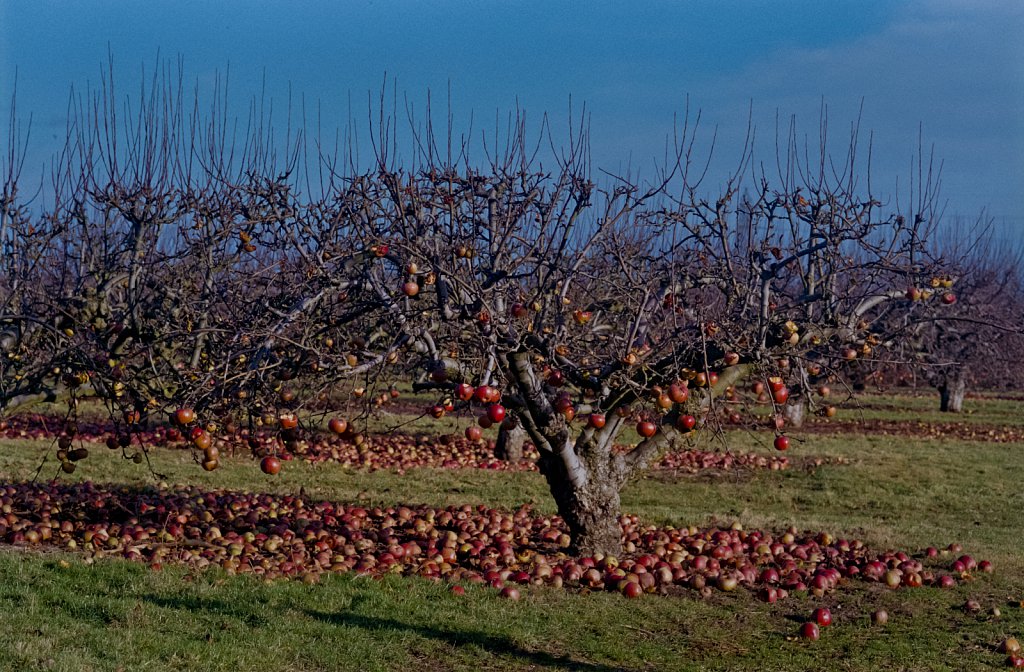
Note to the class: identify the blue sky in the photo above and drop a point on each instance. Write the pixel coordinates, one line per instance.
(953, 67)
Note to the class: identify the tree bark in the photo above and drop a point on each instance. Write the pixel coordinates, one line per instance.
(582, 474)
(952, 391)
(591, 511)
(509, 446)
(795, 412)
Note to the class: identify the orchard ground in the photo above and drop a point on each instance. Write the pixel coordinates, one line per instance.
(906, 479)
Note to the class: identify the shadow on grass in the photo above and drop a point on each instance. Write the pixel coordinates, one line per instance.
(496, 645)
(196, 605)
(500, 646)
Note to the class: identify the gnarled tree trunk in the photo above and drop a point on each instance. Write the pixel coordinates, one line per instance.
(582, 474)
(952, 390)
(591, 509)
(509, 445)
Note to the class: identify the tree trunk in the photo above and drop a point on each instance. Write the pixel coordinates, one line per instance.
(952, 391)
(509, 446)
(591, 510)
(795, 412)
(582, 474)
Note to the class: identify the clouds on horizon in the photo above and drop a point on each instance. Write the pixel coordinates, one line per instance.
(956, 73)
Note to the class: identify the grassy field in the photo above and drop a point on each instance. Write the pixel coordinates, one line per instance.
(64, 614)
(922, 407)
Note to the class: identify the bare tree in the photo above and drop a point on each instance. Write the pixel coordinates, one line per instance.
(977, 341)
(251, 279)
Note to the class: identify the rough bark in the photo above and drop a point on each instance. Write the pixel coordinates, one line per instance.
(590, 510)
(582, 474)
(509, 445)
(795, 412)
(952, 390)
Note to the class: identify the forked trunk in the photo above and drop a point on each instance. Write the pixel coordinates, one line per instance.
(591, 509)
(583, 476)
(952, 392)
(509, 446)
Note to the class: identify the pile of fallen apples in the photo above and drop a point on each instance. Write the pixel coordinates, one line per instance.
(400, 452)
(393, 451)
(292, 536)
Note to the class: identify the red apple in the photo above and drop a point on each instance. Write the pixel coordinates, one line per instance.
(632, 590)
(810, 631)
(337, 425)
(646, 429)
(686, 423)
(678, 393)
(596, 420)
(270, 465)
(781, 442)
(201, 440)
(496, 413)
(822, 616)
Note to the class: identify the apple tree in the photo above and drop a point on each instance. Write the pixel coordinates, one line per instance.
(977, 339)
(252, 282)
(622, 304)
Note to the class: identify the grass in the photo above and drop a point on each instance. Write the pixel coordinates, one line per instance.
(62, 614)
(925, 408)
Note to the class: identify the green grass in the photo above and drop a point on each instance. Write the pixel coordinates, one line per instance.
(986, 410)
(62, 614)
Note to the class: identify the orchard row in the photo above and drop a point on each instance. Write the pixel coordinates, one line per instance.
(291, 536)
